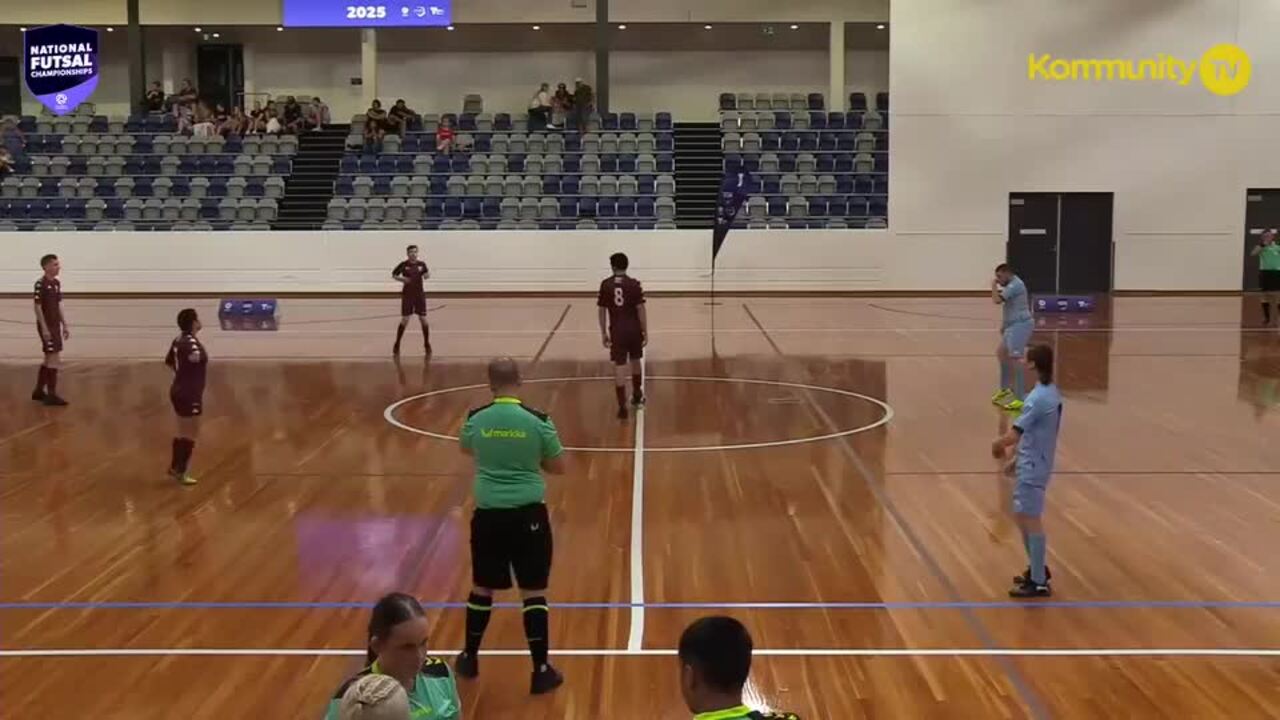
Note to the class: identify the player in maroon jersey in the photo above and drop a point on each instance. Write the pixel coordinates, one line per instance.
(53, 328)
(413, 300)
(189, 361)
(624, 329)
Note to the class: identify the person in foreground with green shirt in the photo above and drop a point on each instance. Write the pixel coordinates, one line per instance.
(715, 660)
(512, 445)
(1268, 254)
(397, 645)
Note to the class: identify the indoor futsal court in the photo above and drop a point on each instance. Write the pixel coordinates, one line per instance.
(816, 466)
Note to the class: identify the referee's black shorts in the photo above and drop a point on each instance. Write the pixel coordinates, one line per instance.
(1269, 280)
(511, 540)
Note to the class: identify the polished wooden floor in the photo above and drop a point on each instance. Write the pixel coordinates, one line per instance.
(123, 596)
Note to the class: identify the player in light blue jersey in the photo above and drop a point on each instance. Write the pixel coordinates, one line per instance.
(1008, 291)
(1035, 432)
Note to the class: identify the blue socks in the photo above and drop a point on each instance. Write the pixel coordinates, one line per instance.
(1036, 551)
(1004, 374)
(1020, 380)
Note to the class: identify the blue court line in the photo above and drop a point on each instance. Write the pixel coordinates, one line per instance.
(941, 605)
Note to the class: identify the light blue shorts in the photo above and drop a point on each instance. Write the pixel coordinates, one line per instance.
(1028, 497)
(1016, 336)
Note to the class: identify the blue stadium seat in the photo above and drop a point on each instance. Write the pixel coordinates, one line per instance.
(466, 122)
(666, 164)
(568, 207)
(551, 185)
(816, 101)
(728, 101)
(587, 207)
(609, 121)
(662, 121)
(878, 207)
(502, 122)
(835, 121)
(864, 185)
(645, 207)
(515, 163)
(856, 206)
(627, 121)
(441, 165)
(626, 207)
(453, 207)
(817, 121)
(777, 206)
(858, 101)
(435, 208)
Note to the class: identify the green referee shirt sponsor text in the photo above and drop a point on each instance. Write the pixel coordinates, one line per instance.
(1269, 258)
(509, 443)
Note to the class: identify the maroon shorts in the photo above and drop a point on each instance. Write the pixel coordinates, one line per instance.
(52, 345)
(625, 347)
(186, 405)
(413, 305)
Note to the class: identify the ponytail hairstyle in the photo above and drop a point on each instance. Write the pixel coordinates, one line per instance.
(1041, 356)
(389, 612)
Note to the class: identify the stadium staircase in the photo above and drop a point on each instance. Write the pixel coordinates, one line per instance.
(699, 169)
(309, 188)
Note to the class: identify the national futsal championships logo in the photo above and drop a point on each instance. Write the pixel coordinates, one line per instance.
(1223, 69)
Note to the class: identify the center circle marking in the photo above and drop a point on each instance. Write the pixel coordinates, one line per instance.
(389, 413)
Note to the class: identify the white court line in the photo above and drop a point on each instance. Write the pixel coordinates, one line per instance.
(887, 412)
(635, 640)
(618, 652)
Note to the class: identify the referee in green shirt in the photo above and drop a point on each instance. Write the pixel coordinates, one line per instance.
(512, 446)
(1268, 254)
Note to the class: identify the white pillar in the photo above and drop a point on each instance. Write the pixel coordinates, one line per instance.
(836, 93)
(250, 60)
(368, 66)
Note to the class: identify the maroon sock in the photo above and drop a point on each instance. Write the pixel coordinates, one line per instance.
(635, 383)
(621, 392)
(175, 456)
(51, 380)
(42, 378)
(426, 336)
(399, 334)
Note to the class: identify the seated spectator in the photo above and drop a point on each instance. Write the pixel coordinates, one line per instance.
(317, 114)
(540, 109)
(257, 118)
(203, 121)
(561, 104)
(374, 697)
(583, 100)
(397, 648)
(715, 661)
(6, 163)
(186, 95)
(183, 114)
(291, 115)
(233, 123)
(153, 101)
(375, 127)
(400, 117)
(444, 136)
(272, 116)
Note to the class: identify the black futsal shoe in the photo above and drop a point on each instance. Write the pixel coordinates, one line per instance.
(1026, 576)
(1030, 590)
(467, 666)
(54, 401)
(38, 394)
(545, 680)
(395, 350)
(622, 413)
(637, 399)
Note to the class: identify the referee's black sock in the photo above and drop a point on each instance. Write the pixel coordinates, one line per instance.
(1266, 312)
(621, 392)
(399, 333)
(536, 615)
(479, 608)
(637, 385)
